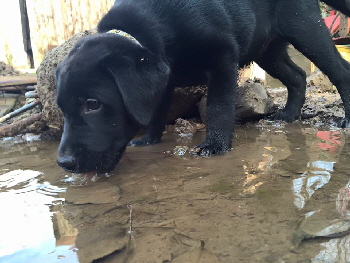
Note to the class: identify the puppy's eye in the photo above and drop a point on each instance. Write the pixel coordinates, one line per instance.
(92, 105)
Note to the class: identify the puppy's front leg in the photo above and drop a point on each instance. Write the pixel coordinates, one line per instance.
(220, 109)
(154, 132)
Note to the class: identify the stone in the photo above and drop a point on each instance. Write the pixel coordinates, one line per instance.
(185, 101)
(253, 101)
(319, 82)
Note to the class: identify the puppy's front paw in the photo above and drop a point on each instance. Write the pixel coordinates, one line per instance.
(144, 142)
(207, 149)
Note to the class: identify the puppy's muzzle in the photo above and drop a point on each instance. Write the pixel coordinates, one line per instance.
(67, 160)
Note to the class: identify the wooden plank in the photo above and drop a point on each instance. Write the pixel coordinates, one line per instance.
(54, 21)
(344, 26)
(17, 89)
(10, 81)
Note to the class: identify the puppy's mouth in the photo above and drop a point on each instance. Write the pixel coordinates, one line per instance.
(86, 162)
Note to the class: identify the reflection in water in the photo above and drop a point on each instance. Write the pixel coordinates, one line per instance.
(252, 172)
(335, 250)
(342, 202)
(319, 166)
(330, 140)
(305, 186)
(26, 227)
(338, 249)
(324, 159)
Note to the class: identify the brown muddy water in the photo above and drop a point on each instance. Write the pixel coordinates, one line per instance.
(245, 206)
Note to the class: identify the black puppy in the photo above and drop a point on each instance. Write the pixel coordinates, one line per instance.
(122, 79)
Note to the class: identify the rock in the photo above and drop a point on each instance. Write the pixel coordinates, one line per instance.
(278, 97)
(185, 127)
(319, 82)
(275, 93)
(320, 224)
(46, 87)
(253, 101)
(185, 102)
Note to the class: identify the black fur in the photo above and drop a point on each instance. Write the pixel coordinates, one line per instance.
(184, 42)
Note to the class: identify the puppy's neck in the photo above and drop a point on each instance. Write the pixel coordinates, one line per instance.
(137, 21)
(124, 34)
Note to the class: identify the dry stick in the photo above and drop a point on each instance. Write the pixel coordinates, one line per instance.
(19, 126)
(130, 216)
(19, 111)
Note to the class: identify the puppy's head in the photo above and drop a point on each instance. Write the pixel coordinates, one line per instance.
(108, 87)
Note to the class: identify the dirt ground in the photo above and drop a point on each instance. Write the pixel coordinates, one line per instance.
(7, 70)
(320, 108)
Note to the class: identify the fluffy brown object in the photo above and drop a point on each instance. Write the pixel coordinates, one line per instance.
(46, 86)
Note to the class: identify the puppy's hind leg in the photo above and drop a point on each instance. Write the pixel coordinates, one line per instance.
(310, 36)
(154, 132)
(278, 64)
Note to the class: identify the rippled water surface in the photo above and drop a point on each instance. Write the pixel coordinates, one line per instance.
(280, 195)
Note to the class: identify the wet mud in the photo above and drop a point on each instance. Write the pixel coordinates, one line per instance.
(156, 206)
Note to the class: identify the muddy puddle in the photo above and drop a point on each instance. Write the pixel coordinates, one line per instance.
(281, 195)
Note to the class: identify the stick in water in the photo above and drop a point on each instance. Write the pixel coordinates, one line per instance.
(130, 208)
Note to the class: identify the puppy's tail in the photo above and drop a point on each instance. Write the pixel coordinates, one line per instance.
(340, 5)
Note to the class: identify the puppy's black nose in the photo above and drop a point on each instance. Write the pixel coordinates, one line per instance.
(67, 162)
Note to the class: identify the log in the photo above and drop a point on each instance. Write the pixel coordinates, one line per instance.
(10, 81)
(22, 126)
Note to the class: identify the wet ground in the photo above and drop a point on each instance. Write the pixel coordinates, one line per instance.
(245, 206)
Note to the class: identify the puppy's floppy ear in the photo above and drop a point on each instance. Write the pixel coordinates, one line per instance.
(142, 82)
